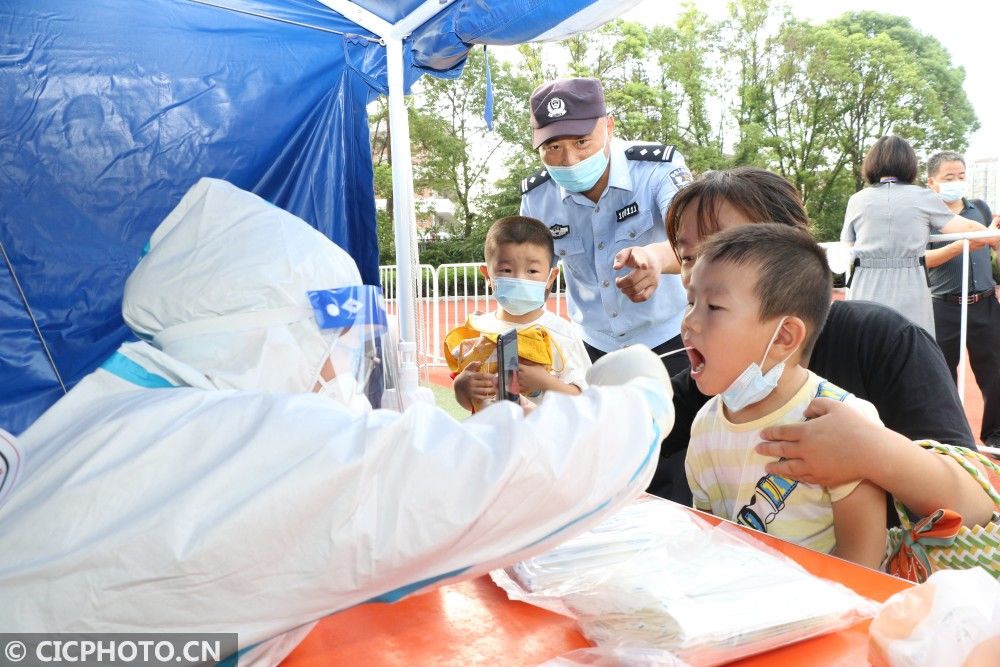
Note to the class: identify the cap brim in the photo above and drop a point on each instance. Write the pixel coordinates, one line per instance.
(563, 128)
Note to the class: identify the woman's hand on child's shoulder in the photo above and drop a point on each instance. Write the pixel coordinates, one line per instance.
(831, 448)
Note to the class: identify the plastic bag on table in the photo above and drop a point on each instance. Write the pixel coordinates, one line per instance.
(951, 620)
(616, 657)
(656, 576)
(615, 547)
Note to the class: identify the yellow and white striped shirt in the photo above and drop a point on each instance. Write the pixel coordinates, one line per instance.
(728, 479)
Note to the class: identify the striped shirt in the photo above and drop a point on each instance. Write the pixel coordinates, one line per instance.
(728, 479)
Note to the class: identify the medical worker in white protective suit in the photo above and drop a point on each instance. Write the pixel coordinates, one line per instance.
(212, 478)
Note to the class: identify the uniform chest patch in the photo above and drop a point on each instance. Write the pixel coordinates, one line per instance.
(559, 231)
(627, 212)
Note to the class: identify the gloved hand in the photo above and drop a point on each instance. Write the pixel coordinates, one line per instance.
(638, 366)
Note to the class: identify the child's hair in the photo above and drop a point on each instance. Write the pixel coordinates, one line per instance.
(761, 195)
(793, 277)
(518, 229)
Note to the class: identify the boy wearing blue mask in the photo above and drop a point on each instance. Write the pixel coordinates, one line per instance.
(520, 272)
(757, 298)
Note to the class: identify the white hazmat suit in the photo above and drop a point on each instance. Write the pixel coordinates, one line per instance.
(194, 484)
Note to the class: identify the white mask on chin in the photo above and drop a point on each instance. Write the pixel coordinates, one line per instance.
(343, 387)
(346, 391)
(753, 386)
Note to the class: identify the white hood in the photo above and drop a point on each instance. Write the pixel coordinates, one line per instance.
(221, 291)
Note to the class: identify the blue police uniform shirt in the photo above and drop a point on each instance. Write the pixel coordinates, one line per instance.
(587, 236)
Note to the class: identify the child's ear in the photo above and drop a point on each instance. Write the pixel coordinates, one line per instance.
(552, 278)
(790, 337)
(483, 269)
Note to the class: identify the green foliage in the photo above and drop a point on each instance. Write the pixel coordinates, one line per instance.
(759, 88)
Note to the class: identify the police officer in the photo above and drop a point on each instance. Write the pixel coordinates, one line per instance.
(599, 195)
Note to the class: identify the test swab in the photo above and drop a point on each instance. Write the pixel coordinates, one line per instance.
(667, 354)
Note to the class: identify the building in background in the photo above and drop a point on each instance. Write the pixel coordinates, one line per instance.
(432, 212)
(984, 181)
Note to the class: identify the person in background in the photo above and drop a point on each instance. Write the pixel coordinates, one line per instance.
(599, 194)
(520, 271)
(946, 177)
(867, 349)
(749, 330)
(888, 224)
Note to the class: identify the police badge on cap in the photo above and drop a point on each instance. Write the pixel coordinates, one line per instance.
(556, 107)
(566, 108)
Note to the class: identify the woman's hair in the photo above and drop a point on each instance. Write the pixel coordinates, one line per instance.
(890, 156)
(761, 195)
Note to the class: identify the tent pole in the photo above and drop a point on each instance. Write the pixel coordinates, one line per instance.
(404, 218)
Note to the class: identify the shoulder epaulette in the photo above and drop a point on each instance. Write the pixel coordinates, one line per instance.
(651, 152)
(531, 182)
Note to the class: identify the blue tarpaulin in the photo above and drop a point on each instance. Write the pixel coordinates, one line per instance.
(110, 110)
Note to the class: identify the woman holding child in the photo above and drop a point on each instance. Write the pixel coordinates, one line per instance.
(863, 348)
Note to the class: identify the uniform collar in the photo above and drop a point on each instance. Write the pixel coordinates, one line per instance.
(620, 176)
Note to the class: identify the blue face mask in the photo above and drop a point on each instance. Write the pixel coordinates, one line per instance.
(753, 386)
(583, 175)
(517, 296)
(951, 191)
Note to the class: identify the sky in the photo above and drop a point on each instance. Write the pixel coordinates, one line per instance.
(966, 28)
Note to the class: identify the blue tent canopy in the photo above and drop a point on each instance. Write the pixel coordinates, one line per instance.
(110, 110)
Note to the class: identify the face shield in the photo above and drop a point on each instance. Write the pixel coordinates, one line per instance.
(352, 322)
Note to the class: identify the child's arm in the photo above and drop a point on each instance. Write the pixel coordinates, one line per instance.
(838, 444)
(859, 524)
(472, 387)
(534, 377)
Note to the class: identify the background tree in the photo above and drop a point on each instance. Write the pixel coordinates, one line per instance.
(801, 112)
(871, 68)
(687, 71)
(452, 150)
(749, 56)
(378, 120)
(758, 87)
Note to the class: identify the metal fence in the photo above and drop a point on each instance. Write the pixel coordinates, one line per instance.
(445, 297)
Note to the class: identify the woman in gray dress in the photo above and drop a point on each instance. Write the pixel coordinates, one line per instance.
(888, 224)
